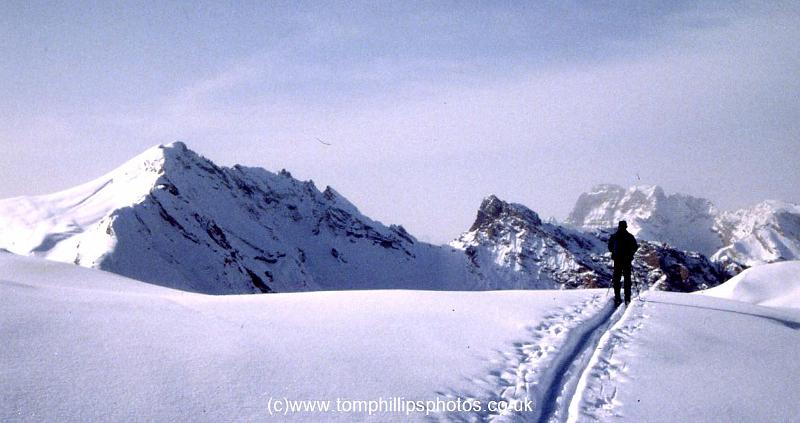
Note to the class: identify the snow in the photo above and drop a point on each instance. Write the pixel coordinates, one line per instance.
(509, 244)
(678, 219)
(775, 284)
(81, 344)
(171, 217)
(685, 357)
(44, 224)
(764, 233)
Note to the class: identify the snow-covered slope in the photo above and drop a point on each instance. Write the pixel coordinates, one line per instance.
(775, 284)
(172, 217)
(683, 221)
(765, 233)
(692, 358)
(85, 345)
(509, 242)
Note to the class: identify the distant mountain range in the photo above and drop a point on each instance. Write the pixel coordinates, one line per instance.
(764, 233)
(172, 217)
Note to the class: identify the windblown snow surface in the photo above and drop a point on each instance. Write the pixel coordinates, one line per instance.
(83, 345)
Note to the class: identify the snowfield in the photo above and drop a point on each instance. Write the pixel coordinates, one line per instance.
(84, 345)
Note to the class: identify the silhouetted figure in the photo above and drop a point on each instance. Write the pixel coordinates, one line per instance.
(622, 246)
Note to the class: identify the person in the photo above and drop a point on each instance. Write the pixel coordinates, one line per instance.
(622, 246)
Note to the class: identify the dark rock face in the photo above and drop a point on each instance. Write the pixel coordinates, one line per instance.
(494, 210)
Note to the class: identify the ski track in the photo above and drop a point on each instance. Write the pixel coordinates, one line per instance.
(569, 365)
(566, 368)
(595, 397)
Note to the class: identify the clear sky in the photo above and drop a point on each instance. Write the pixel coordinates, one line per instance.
(427, 107)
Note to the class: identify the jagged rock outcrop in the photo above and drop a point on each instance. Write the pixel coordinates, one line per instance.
(509, 242)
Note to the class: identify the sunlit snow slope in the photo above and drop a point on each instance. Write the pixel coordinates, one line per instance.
(85, 345)
(172, 217)
(693, 358)
(776, 284)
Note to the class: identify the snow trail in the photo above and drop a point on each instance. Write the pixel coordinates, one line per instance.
(565, 372)
(545, 369)
(596, 386)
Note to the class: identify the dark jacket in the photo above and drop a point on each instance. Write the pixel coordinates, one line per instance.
(622, 246)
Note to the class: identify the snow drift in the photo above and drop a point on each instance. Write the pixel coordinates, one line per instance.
(776, 284)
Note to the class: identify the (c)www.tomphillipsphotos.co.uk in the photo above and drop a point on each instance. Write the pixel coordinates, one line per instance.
(394, 405)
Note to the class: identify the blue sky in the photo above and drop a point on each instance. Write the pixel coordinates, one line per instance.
(428, 106)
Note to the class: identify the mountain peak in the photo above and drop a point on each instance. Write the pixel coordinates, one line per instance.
(156, 161)
(172, 217)
(651, 214)
(176, 145)
(616, 191)
(169, 150)
(493, 209)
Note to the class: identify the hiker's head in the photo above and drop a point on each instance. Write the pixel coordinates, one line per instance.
(622, 225)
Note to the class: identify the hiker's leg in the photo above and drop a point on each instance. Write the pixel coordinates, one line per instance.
(615, 281)
(627, 274)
